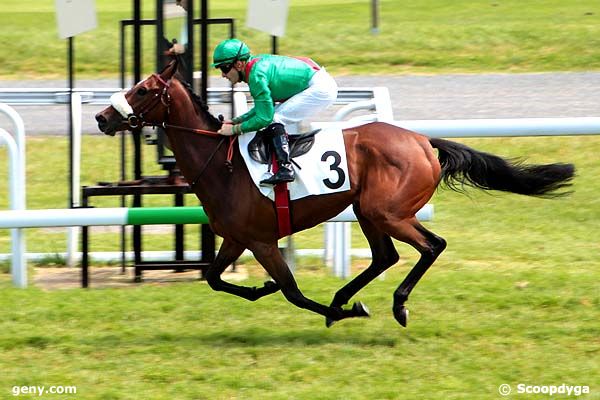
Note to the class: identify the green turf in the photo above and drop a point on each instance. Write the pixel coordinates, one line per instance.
(428, 36)
(473, 327)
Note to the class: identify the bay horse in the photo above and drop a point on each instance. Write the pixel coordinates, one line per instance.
(393, 172)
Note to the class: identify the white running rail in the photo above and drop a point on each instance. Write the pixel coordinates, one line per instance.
(16, 152)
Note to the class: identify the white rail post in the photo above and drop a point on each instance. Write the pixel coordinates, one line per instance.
(383, 104)
(73, 232)
(18, 262)
(20, 142)
(17, 191)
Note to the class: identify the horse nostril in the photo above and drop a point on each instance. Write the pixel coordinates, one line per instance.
(100, 118)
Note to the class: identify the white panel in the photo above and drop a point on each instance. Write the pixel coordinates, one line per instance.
(75, 16)
(269, 16)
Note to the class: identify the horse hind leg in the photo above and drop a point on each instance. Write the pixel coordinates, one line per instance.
(383, 256)
(429, 246)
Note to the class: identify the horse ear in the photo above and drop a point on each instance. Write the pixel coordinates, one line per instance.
(170, 70)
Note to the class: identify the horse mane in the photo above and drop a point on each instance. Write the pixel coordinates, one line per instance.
(213, 122)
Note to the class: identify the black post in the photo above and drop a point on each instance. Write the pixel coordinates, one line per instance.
(208, 237)
(374, 16)
(189, 51)
(204, 48)
(137, 76)
(136, 133)
(85, 261)
(160, 34)
(179, 232)
(208, 246)
(122, 69)
(274, 49)
(70, 114)
(231, 36)
(137, 49)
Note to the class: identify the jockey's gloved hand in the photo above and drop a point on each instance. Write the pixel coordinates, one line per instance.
(226, 130)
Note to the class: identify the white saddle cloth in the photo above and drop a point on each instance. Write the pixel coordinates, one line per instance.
(323, 169)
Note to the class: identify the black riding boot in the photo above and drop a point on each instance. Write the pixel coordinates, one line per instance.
(282, 154)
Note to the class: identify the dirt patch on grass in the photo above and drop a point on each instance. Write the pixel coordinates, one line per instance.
(110, 277)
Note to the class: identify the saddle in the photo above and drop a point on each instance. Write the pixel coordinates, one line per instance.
(260, 148)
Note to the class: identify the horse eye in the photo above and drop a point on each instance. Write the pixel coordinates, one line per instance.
(142, 91)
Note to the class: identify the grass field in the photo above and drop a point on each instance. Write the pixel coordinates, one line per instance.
(428, 36)
(473, 328)
(514, 299)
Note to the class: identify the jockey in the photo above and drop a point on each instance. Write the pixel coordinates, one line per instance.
(300, 86)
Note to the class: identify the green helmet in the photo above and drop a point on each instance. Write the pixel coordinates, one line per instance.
(229, 51)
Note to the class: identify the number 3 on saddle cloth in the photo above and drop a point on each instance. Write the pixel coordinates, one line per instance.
(318, 160)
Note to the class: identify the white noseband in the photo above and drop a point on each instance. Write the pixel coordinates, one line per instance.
(119, 102)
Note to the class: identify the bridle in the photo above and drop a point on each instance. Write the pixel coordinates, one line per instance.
(161, 96)
(136, 119)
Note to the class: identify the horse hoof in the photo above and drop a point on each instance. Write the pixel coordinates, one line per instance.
(271, 287)
(401, 316)
(360, 309)
(329, 322)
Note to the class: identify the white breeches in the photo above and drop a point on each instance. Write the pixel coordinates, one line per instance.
(320, 94)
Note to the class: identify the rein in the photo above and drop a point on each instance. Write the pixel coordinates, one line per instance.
(164, 125)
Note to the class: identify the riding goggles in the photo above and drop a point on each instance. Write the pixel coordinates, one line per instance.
(225, 68)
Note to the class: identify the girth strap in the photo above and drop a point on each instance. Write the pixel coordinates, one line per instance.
(282, 205)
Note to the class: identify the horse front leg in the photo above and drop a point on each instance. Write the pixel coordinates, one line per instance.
(269, 256)
(228, 253)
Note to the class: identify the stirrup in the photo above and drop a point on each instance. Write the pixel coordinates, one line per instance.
(282, 175)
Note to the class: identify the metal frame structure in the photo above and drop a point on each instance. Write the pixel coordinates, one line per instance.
(170, 184)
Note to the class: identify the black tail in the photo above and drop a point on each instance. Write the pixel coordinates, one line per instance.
(462, 165)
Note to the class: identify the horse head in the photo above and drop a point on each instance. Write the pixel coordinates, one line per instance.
(147, 103)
